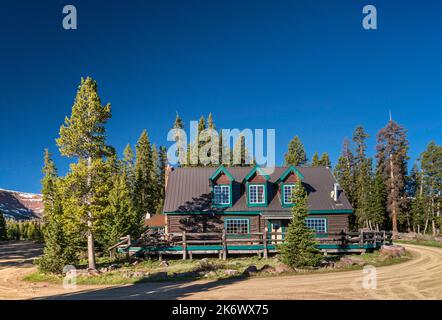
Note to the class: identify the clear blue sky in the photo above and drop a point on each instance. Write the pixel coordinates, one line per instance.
(305, 68)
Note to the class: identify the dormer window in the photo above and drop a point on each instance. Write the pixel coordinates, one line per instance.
(256, 183)
(221, 194)
(287, 192)
(221, 183)
(257, 194)
(287, 183)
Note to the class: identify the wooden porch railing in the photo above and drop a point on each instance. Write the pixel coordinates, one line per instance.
(265, 239)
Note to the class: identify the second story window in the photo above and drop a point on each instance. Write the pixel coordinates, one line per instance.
(221, 194)
(288, 193)
(256, 194)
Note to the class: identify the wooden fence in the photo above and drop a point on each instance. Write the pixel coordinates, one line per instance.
(261, 243)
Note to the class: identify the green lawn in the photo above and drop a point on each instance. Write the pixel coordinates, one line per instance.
(428, 243)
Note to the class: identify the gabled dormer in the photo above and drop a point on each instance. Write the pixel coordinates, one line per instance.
(256, 185)
(286, 183)
(221, 183)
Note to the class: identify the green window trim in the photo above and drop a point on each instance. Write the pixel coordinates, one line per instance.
(261, 204)
(253, 171)
(291, 169)
(246, 213)
(220, 169)
(342, 211)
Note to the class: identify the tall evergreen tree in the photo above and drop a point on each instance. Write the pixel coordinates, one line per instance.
(379, 199)
(359, 138)
(344, 172)
(246, 159)
(129, 166)
(83, 135)
(392, 150)
(210, 123)
(431, 162)
(325, 160)
(315, 160)
(162, 165)
(122, 218)
(58, 252)
(299, 249)
(145, 199)
(183, 157)
(295, 155)
(155, 177)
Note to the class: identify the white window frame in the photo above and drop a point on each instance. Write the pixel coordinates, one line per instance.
(263, 194)
(317, 221)
(220, 188)
(284, 198)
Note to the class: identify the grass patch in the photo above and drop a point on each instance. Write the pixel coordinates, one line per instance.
(187, 270)
(43, 277)
(427, 243)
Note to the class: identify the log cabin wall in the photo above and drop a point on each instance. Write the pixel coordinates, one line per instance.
(194, 223)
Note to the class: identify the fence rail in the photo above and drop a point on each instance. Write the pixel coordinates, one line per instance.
(262, 243)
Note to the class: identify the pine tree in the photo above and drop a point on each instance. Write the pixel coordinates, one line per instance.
(392, 151)
(129, 166)
(3, 229)
(83, 135)
(58, 251)
(299, 249)
(315, 160)
(155, 178)
(122, 219)
(144, 197)
(364, 194)
(162, 167)
(12, 231)
(295, 155)
(359, 138)
(210, 123)
(379, 199)
(344, 172)
(325, 160)
(240, 149)
(431, 163)
(182, 156)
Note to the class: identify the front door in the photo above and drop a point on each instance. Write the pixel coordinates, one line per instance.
(275, 226)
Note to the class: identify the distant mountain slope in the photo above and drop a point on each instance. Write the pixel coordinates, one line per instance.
(20, 205)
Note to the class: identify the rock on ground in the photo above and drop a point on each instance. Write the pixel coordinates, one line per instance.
(392, 251)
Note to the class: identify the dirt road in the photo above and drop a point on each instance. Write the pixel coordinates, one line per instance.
(420, 278)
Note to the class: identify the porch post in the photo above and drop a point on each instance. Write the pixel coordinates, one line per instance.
(264, 243)
(184, 246)
(224, 244)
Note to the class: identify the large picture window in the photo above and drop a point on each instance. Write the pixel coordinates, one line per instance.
(221, 194)
(319, 225)
(237, 226)
(288, 193)
(256, 194)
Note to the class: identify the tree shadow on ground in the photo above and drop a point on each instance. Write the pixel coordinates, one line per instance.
(19, 253)
(149, 290)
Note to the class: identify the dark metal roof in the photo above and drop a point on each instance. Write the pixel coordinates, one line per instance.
(188, 190)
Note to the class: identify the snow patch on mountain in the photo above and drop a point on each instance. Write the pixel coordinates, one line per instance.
(20, 205)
